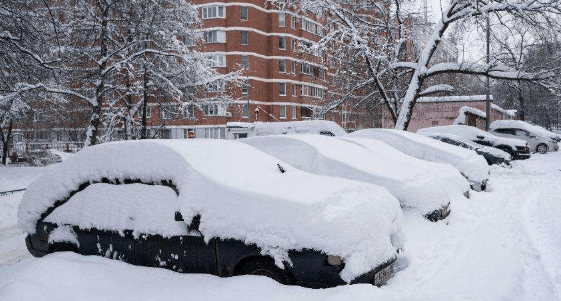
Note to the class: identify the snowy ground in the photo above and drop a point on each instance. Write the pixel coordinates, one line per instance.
(500, 245)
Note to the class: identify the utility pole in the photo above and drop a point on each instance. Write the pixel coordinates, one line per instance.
(488, 97)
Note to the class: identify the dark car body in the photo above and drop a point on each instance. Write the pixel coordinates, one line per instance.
(489, 156)
(191, 254)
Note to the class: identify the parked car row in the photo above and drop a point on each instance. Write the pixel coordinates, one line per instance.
(310, 210)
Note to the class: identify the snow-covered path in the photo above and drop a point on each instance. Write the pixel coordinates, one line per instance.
(500, 245)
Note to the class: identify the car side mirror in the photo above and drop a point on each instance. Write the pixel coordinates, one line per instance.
(178, 217)
(480, 137)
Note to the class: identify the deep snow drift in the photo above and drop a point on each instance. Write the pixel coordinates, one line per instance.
(499, 245)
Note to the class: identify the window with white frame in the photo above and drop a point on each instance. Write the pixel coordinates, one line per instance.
(245, 111)
(216, 87)
(293, 112)
(282, 19)
(305, 68)
(148, 112)
(293, 67)
(282, 111)
(293, 89)
(282, 66)
(244, 35)
(212, 133)
(215, 36)
(293, 22)
(293, 45)
(282, 89)
(165, 113)
(217, 60)
(282, 42)
(214, 11)
(243, 13)
(211, 109)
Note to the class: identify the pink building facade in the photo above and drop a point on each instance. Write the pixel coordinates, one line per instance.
(449, 110)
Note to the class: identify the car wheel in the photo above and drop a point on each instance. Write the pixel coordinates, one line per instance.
(63, 247)
(542, 148)
(265, 267)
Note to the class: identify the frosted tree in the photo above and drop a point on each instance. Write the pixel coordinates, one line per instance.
(116, 50)
(28, 61)
(377, 33)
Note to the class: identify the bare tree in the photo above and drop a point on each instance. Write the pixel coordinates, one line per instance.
(377, 32)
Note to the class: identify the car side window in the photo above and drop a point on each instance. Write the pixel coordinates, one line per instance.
(142, 208)
(522, 133)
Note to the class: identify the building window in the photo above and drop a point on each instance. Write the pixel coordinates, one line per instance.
(245, 88)
(216, 86)
(165, 113)
(282, 89)
(189, 111)
(211, 12)
(293, 112)
(217, 60)
(293, 22)
(245, 111)
(293, 45)
(293, 67)
(212, 133)
(244, 37)
(282, 66)
(245, 61)
(282, 111)
(243, 13)
(148, 112)
(282, 42)
(293, 89)
(215, 36)
(211, 109)
(282, 19)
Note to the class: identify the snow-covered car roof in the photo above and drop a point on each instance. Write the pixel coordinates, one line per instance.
(411, 181)
(468, 162)
(471, 133)
(292, 127)
(519, 124)
(471, 145)
(240, 193)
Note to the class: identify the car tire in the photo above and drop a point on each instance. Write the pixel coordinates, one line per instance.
(63, 247)
(541, 148)
(263, 266)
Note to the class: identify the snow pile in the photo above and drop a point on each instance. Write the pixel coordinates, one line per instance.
(473, 133)
(415, 186)
(469, 163)
(457, 98)
(511, 113)
(240, 194)
(519, 124)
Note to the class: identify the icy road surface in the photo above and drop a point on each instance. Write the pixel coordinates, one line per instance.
(499, 245)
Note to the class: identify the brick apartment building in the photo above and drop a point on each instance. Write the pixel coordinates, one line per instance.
(280, 82)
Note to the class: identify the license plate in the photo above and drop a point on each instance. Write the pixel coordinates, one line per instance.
(383, 275)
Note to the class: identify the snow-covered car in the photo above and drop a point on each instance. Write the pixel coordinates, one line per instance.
(213, 206)
(472, 166)
(539, 139)
(491, 154)
(516, 148)
(237, 130)
(418, 186)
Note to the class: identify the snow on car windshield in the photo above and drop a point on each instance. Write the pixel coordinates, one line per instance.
(240, 194)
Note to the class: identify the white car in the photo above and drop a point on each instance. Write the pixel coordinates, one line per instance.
(213, 206)
(539, 139)
(472, 166)
(517, 148)
(418, 185)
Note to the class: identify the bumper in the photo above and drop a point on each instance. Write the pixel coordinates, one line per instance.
(328, 276)
(439, 214)
(38, 251)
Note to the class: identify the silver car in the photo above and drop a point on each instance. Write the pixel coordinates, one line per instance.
(538, 139)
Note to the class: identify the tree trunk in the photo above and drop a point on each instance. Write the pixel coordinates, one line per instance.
(521, 103)
(143, 134)
(6, 142)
